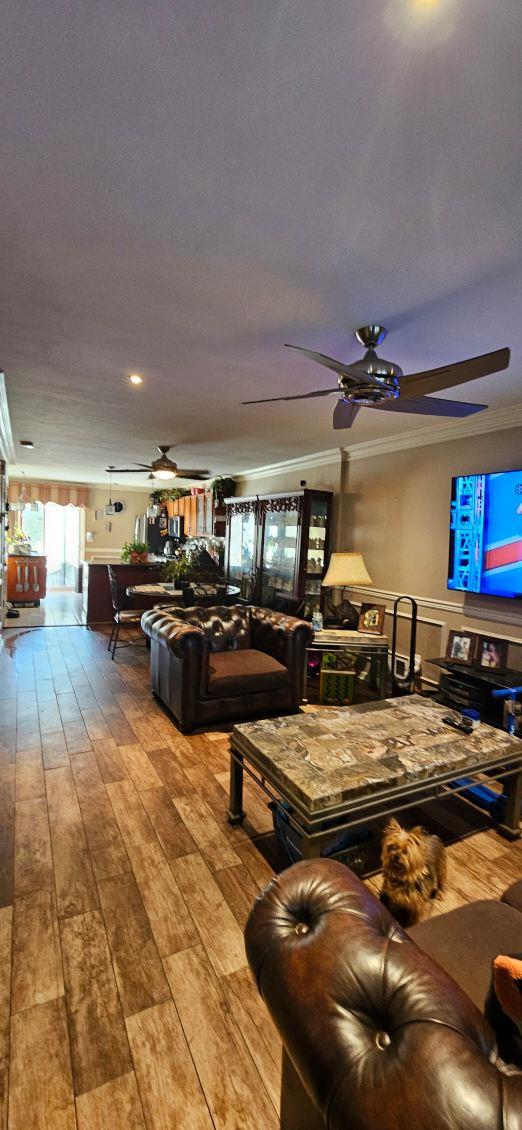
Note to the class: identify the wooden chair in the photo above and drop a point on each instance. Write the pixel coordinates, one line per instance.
(123, 617)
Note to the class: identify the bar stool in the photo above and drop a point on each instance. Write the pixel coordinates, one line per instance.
(123, 617)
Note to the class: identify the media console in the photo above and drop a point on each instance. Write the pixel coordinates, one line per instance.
(463, 687)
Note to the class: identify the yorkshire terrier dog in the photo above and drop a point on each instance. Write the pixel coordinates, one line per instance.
(414, 871)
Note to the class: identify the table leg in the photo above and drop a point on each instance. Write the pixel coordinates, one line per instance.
(383, 675)
(510, 826)
(235, 812)
(311, 848)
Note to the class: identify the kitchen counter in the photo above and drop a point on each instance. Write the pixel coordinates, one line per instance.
(97, 603)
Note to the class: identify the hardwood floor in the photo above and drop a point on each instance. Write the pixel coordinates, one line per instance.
(125, 998)
(60, 607)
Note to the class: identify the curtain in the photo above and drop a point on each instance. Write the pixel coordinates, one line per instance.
(61, 493)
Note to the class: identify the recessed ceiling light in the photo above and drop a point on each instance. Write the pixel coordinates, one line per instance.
(135, 379)
(26, 443)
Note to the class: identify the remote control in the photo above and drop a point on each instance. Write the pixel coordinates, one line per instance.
(466, 727)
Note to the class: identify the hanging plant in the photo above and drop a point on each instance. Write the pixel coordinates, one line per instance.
(223, 487)
(171, 495)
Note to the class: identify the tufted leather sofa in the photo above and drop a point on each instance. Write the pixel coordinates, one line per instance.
(216, 663)
(376, 1035)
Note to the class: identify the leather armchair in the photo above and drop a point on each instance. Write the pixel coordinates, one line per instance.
(376, 1035)
(215, 663)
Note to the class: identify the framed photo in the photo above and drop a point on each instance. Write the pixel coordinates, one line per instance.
(491, 654)
(371, 619)
(461, 647)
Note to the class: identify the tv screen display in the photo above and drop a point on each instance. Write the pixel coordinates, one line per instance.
(486, 534)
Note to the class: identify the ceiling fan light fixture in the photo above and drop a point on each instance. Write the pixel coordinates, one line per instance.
(163, 474)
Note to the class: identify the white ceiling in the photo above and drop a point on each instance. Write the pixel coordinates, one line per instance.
(186, 186)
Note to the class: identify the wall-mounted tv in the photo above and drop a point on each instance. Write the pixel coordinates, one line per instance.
(486, 534)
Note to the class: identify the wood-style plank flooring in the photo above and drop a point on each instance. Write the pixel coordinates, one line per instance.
(125, 998)
(61, 607)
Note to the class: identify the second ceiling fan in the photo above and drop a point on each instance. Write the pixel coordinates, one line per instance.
(373, 382)
(162, 468)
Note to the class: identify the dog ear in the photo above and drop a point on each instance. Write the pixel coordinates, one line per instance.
(418, 832)
(392, 827)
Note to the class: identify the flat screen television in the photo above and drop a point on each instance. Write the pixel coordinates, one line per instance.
(486, 534)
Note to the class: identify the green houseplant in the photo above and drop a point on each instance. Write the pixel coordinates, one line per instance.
(177, 570)
(134, 552)
(223, 487)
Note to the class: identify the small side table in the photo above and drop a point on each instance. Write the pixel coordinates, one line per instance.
(362, 646)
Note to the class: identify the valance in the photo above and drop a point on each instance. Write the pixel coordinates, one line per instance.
(62, 493)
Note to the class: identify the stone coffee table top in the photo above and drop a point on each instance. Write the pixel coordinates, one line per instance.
(325, 759)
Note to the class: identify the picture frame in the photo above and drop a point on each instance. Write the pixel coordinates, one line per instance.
(461, 647)
(491, 654)
(371, 619)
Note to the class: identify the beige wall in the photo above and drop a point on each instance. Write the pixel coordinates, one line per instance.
(108, 543)
(396, 512)
(394, 508)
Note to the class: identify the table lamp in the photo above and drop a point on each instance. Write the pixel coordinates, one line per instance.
(344, 569)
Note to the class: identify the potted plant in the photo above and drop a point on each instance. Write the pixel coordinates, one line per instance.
(222, 487)
(18, 541)
(135, 552)
(178, 570)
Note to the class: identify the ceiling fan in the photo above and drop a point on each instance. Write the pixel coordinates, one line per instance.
(162, 468)
(373, 382)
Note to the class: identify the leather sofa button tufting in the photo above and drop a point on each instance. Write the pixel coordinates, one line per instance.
(301, 928)
(382, 1040)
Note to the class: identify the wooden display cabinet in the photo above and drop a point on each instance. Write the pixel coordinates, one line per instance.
(279, 543)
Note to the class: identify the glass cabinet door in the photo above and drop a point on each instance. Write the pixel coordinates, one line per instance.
(315, 554)
(278, 562)
(242, 535)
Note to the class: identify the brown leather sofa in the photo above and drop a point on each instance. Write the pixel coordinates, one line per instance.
(209, 664)
(376, 1034)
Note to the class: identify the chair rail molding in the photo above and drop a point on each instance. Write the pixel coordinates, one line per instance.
(456, 608)
(7, 449)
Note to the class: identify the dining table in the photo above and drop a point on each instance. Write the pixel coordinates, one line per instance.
(165, 591)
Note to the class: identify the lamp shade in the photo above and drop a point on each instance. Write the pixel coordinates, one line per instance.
(346, 569)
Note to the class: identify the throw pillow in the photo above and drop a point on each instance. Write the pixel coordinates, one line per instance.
(504, 1006)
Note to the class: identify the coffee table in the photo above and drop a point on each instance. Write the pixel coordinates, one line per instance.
(338, 769)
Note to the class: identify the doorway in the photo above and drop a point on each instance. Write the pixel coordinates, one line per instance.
(54, 532)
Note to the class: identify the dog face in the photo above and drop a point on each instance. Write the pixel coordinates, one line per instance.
(403, 852)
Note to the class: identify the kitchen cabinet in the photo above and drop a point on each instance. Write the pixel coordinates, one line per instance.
(26, 578)
(199, 514)
(279, 543)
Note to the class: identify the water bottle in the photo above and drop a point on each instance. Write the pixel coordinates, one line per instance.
(317, 620)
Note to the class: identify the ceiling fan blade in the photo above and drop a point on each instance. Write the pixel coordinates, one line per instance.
(146, 466)
(335, 366)
(344, 414)
(302, 396)
(448, 376)
(127, 470)
(431, 406)
(196, 474)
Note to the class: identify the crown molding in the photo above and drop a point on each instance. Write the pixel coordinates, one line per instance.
(318, 459)
(7, 450)
(493, 420)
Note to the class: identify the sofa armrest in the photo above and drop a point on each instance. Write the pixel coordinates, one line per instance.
(285, 638)
(176, 635)
(379, 1035)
